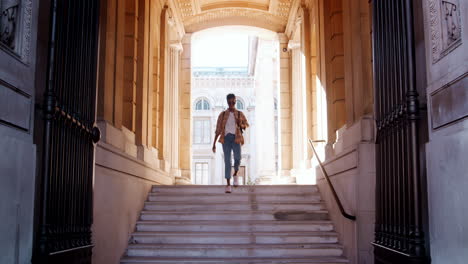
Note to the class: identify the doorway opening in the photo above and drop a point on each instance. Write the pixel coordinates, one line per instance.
(243, 61)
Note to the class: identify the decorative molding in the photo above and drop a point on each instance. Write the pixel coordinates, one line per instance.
(15, 107)
(294, 44)
(15, 27)
(176, 45)
(10, 12)
(445, 27)
(241, 14)
(196, 17)
(283, 8)
(177, 17)
(291, 21)
(299, 16)
(26, 29)
(187, 8)
(448, 104)
(235, 4)
(273, 6)
(196, 7)
(223, 82)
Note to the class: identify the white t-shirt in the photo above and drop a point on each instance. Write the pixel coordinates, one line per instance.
(230, 124)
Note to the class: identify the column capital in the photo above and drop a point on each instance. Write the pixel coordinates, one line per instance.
(294, 44)
(300, 16)
(176, 45)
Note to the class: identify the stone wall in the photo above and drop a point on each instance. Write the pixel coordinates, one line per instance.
(343, 105)
(131, 156)
(352, 172)
(19, 90)
(121, 186)
(446, 42)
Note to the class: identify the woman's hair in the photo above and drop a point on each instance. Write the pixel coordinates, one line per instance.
(230, 96)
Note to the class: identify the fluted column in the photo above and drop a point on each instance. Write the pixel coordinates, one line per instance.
(299, 118)
(264, 89)
(171, 110)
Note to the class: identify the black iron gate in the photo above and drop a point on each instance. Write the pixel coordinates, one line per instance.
(399, 236)
(66, 207)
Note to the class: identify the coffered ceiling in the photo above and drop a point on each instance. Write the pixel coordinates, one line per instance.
(201, 14)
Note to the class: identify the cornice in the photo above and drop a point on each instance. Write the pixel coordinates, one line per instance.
(179, 25)
(292, 18)
(195, 15)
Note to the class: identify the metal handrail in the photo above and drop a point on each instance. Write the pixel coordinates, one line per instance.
(337, 199)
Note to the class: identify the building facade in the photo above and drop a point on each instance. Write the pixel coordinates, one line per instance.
(209, 89)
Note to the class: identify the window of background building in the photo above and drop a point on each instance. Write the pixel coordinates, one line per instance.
(201, 173)
(202, 104)
(240, 105)
(201, 131)
(276, 129)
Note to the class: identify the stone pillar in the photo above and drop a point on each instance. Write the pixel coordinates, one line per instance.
(284, 110)
(264, 81)
(219, 155)
(171, 111)
(252, 173)
(299, 114)
(185, 108)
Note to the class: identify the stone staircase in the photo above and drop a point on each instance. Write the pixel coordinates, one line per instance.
(255, 224)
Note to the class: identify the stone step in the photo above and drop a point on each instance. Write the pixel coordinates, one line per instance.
(234, 238)
(258, 189)
(236, 260)
(235, 215)
(234, 250)
(234, 226)
(229, 206)
(232, 197)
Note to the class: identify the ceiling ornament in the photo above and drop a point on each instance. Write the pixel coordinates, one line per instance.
(201, 14)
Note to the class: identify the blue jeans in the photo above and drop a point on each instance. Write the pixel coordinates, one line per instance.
(228, 146)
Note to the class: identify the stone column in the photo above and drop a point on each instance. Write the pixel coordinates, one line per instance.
(299, 116)
(264, 81)
(252, 173)
(284, 111)
(171, 111)
(185, 108)
(218, 163)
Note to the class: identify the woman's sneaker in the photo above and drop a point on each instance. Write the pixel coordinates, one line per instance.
(236, 181)
(228, 189)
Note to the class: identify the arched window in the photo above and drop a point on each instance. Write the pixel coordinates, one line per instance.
(202, 104)
(240, 104)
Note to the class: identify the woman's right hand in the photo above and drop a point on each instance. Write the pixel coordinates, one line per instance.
(214, 148)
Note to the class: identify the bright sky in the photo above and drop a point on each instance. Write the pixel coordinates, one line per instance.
(220, 49)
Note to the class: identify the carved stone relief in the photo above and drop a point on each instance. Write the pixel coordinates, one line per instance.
(445, 26)
(15, 27)
(9, 17)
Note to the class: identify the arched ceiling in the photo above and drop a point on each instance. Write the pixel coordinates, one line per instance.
(269, 14)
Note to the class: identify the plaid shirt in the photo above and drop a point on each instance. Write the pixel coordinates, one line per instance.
(241, 122)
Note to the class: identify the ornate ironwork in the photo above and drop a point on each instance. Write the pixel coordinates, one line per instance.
(68, 149)
(399, 236)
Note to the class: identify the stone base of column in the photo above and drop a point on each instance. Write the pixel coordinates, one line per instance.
(181, 180)
(175, 172)
(266, 177)
(165, 166)
(286, 178)
(303, 176)
(184, 178)
(148, 155)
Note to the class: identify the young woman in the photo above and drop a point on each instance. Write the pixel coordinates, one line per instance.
(229, 129)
